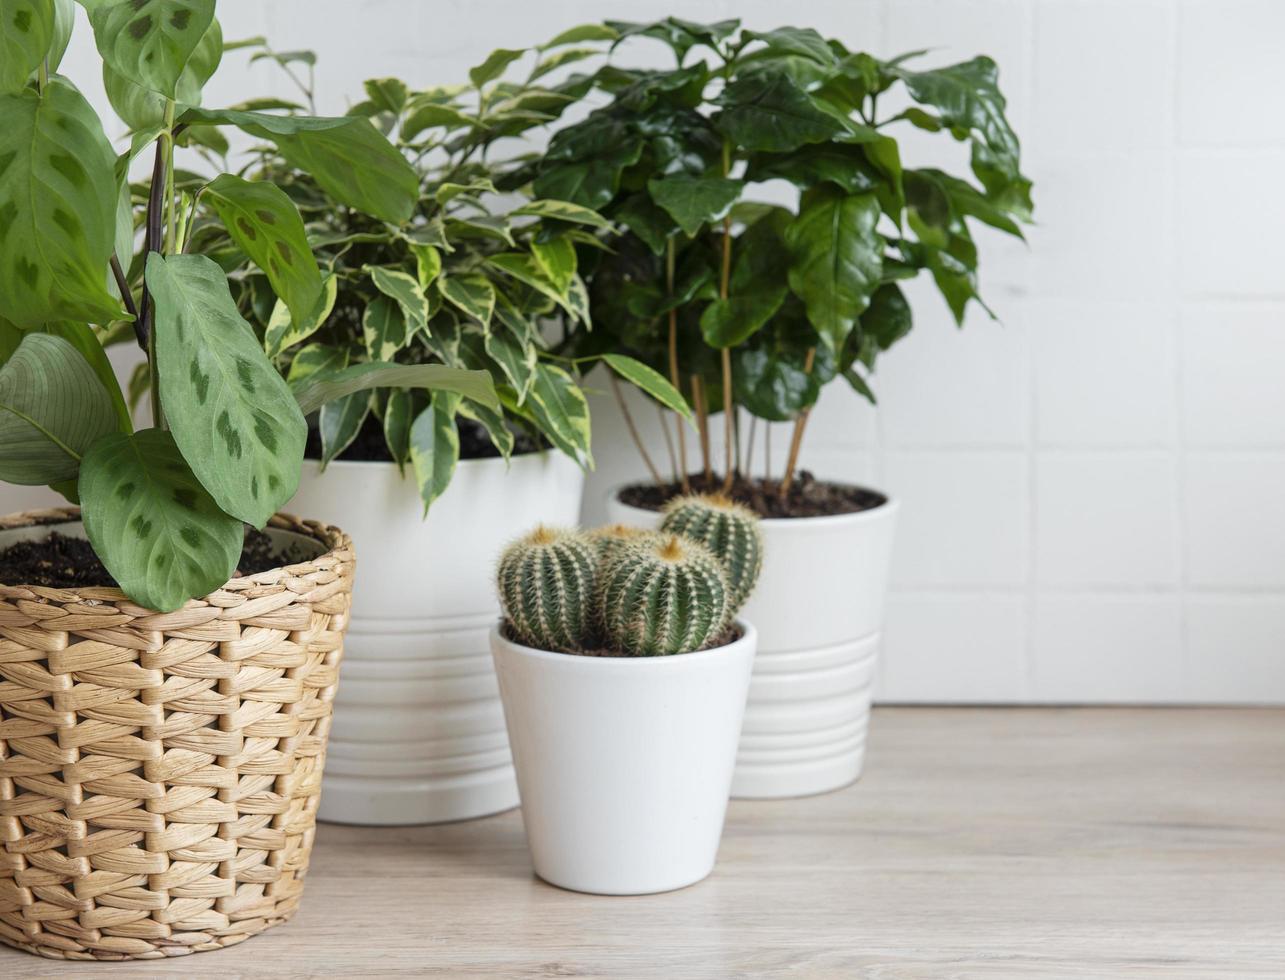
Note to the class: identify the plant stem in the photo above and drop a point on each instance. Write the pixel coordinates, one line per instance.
(167, 138)
(669, 443)
(749, 448)
(767, 453)
(796, 440)
(725, 353)
(127, 296)
(702, 415)
(42, 80)
(673, 364)
(633, 430)
(147, 310)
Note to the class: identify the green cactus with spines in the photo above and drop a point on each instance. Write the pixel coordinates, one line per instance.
(660, 595)
(729, 530)
(612, 539)
(547, 583)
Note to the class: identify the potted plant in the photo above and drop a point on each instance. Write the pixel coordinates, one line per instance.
(623, 672)
(751, 307)
(168, 678)
(436, 485)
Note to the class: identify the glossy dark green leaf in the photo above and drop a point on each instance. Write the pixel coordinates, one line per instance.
(53, 409)
(398, 416)
(835, 259)
(694, 202)
(732, 321)
(767, 111)
(771, 385)
(266, 224)
(804, 42)
(844, 165)
(640, 214)
(149, 42)
(156, 529)
(435, 446)
(339, 421)
(231, 413)
(317, 389)
(58, 201)
(888, 318)
(26, 33)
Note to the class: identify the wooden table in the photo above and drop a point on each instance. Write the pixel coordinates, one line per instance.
(1024, 843)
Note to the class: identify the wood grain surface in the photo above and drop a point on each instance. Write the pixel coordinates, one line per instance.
(1017, 843)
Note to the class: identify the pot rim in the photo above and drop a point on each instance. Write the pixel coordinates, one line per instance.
(889, 507)
(747, 639)
(515, 459)
(338, 551)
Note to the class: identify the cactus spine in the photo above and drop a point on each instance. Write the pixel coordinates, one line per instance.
(662, 595)
(727, 529)
(547, 582)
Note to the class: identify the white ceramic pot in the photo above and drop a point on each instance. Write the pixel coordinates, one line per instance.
(418, 734)
(819, 611)
(624, 763)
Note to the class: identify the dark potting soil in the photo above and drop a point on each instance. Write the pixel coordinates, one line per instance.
(60, 562)
(807, 497)
(370, 446)
(728, 636)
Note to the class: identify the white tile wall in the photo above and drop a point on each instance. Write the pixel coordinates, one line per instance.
(1093, 490)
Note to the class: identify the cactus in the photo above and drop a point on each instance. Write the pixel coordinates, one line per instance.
(611, 539)
(547, 581)
(727, 529)
(660, 595)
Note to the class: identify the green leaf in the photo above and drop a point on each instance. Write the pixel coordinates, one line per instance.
(282, 334)
(804, 42)
(404, 290)
(730, 322)
(231, 413)
(859, 385)
(53, 409)
(428, 263)
(435, 446)
(767, 111)
(350, 159)
(26, 32)
(888, 317)
(266, 224)
(473, 294)
(523, 268)
(429, 114)
(156, 529)
(82, 337)
(397, 422)
(339, 422)
(559, 408)
(315, 359)
(58, 199)
(384, 329)
(580, 34)
(389, 94)
(567, 56)
(772, 385)
(563, 211)
(141, 108)
(317, 389)
(965, 199)
(493, 421)
(516, 360)
(494, 65)
(640, 214)
(694, 202)
(841, 164)
(557, 260)
(149, 42)
(835, 259)
(652, 382)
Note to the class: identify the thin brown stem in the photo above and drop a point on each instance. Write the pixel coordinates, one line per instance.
(633, 430)
(669, 442)
(729, 435)
(702, 417)
(673, 366)
(796, 439)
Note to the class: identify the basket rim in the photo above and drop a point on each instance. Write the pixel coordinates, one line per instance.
(338, 549)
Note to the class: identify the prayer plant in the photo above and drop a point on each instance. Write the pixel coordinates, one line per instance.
(725, 290)
(466, 284)
(165, 508)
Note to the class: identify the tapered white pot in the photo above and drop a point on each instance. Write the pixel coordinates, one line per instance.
(819, 611)
(624, 763)
(418, 734)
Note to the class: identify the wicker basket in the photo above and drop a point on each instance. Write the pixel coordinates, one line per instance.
(160, 773)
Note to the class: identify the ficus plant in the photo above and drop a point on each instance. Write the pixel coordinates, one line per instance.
(466, 285)
(745, 303)
(164, 507)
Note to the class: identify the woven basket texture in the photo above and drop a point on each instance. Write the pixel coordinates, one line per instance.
(160, 772)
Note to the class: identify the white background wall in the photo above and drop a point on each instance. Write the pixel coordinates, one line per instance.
(1092, 490)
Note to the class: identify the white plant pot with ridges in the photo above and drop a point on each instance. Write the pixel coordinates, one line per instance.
(418, 734)
(819, 612)
(624, 762)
